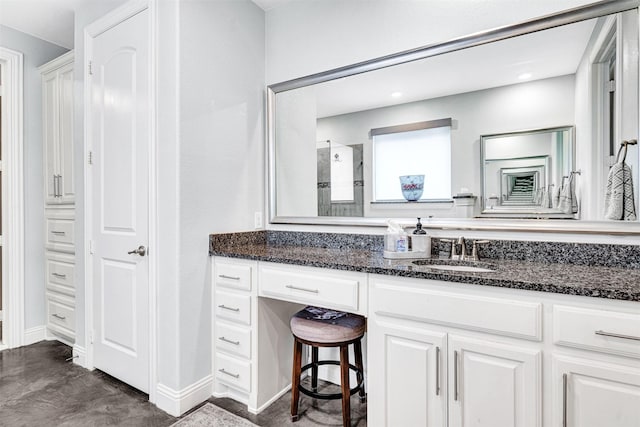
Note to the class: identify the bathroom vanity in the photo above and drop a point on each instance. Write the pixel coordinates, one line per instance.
(528, 344)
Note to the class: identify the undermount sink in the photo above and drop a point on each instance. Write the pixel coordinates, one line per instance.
(448, 265)
(461, 268)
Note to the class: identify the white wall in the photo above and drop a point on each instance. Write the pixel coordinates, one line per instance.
(221, 152)
(484, 112)
(36, 52)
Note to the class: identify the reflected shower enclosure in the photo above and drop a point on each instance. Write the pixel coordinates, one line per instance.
(340, 179)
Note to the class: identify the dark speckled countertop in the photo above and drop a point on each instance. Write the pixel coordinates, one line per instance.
(612, 282)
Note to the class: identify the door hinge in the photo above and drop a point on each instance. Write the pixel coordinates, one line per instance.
(611, 86)
(90, 68)
(90, 159)
(91, 247)
(91, 337)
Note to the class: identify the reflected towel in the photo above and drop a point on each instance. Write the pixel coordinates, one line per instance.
(544, 200)
(555, 201)
(619, 203)
(568, 200)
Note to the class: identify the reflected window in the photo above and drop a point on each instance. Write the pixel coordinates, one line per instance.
(422, 148)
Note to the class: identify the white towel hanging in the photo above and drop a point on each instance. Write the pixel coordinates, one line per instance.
(619, 201)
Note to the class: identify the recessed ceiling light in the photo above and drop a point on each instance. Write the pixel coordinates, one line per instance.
(524, 76)
(396, 94)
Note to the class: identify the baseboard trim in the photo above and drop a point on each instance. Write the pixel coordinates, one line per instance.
(177, 402)
(270, 401)
(35, 334)
(79, 355)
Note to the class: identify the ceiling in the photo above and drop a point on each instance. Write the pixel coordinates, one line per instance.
(50, 20)
(544, 54)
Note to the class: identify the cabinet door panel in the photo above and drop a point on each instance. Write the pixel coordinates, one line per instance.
(407, 381)
(66, 190)
(50, 134)
(594, 394)
(493, 384)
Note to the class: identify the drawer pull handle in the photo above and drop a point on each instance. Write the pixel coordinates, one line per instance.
(564, 399)
(58, 233)
(611, 334)
(229, 341)
(224, 307)
(229, 373)
(455, 375)
(61, 276)
(313, 291)
(224, 276)
(57, 316)
(437, 371)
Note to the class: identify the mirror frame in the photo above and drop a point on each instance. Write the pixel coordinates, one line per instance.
(578, 14)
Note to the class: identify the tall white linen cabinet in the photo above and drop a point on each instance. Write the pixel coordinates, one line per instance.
(59, 196)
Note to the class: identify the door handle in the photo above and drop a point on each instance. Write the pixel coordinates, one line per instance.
(59, 186)
(140, 251)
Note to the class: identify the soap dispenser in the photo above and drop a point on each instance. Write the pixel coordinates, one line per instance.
(420, 241)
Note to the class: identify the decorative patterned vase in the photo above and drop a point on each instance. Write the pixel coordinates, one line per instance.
(412, 186)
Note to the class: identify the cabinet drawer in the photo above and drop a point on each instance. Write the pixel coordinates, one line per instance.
(410, 299)
(331, 289)
(60, 234)
(233, 306)
(232, 275)
(233, 339)
(598, 330)
(60, 315)
(234, 372)
(60, 273)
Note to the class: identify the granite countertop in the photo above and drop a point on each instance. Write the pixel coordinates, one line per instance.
(593, 281)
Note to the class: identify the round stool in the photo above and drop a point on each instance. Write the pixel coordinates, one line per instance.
(321, 327)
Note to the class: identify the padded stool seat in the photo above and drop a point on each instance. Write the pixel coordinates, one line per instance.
(322, 327)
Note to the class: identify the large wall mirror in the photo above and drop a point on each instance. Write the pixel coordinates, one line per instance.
(493, 125)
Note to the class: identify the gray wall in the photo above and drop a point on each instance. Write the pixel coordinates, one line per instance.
(36, 52)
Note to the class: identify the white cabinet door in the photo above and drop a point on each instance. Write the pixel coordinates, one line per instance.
(407, 376)
(57, 82)
(492, 384)
(66, 190)
(50, 135)
(595, 394)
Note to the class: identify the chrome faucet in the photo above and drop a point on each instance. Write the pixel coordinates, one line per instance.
(455, 255)
(462, 255)
(463, 250)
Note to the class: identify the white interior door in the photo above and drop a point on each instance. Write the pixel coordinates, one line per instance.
(120, 133)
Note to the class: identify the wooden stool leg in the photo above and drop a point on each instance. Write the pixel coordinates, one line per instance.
(344, 383)
(295, 378)
(314, 370)
(357, 347)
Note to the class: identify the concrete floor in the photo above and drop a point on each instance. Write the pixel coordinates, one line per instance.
(38, 387)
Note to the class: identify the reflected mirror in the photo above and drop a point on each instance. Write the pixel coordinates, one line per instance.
(529, 174)
(562, 77)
